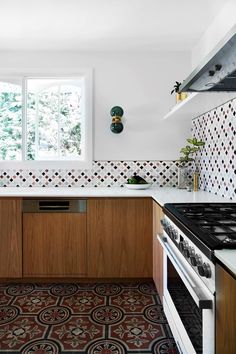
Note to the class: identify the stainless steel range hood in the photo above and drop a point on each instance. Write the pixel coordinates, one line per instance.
(217, 72)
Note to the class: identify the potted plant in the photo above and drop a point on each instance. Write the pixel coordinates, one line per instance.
(189, 151)
(178, 96)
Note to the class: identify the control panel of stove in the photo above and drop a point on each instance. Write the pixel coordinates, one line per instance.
(199, 262)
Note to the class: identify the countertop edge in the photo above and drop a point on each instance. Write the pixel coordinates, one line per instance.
(161, 195)
(228, 258)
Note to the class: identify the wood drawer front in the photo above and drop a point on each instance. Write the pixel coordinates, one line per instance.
(54, 244)
(225, 311)
(10, 238)
(120, 237)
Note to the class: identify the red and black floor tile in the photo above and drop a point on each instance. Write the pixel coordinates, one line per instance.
(93, 318)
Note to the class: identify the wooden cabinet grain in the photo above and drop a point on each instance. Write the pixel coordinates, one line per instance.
(225, 312)
(54, 244)
(10, 238)
(119, 237)
(157, 249)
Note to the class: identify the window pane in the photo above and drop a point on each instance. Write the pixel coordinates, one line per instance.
(10, 121)
(54, 119)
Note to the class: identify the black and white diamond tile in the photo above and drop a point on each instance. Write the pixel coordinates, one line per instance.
(217, 160)
(102, 174)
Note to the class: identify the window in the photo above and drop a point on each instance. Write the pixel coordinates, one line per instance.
(46, 120)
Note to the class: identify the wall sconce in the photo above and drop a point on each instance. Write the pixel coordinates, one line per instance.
(116, 125)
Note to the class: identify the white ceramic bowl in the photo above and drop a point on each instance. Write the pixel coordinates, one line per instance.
(137, 186)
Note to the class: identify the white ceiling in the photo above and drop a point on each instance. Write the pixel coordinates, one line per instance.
(104, 24)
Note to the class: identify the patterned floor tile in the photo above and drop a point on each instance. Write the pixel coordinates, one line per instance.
(105, 318)
(83, 301)
(35, 301)
(132, 300)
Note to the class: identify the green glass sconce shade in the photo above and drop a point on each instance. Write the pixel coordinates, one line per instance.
(116, 128)
(117, 111)
(116, 125)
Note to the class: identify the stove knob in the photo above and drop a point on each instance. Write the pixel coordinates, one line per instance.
(163, 223)
(166, 226)
(171, 230)
(195, 259)
(181, 246)
(204, 270)
(186, 252)
(191, 252)
(207, 270)
(175, 234)
(168, 230)
(201, 270)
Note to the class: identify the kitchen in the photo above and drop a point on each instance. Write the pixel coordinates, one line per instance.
(91, 291)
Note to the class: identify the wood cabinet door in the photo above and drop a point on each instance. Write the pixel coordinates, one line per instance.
(120, 237)
(157, 250)
(11, 238)
(225, 312)
(54, 244)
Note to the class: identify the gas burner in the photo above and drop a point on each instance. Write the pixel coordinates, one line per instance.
(214, 229)
(225, 209)
(202, 222)
(229, 241)
(194, 215)
(227, 222)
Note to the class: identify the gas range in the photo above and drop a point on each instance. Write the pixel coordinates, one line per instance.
(191, 233)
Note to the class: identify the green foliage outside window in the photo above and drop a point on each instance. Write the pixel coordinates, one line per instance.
(10, 125)
(53, 124)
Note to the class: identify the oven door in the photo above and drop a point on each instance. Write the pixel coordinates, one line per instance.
(188, 304)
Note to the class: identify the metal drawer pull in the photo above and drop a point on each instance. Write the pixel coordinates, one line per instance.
(54, 205)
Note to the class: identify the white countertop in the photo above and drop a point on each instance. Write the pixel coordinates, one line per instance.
(160, 195)
(228, 258)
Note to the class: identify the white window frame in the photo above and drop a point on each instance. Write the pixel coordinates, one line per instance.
(11, 75)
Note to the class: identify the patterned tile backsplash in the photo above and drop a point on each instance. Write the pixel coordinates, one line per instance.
(102, 173)
(217, 160)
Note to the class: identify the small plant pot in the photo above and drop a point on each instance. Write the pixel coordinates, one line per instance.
(182, 177)
(183, 95)
(177, 97)
(180, 96)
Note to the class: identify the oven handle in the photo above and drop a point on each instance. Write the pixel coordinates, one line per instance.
(196, 292)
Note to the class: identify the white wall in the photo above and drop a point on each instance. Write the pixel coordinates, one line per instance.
(138, 82)
(221, 25)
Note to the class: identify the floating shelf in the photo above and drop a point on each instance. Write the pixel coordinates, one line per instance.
(198, 103)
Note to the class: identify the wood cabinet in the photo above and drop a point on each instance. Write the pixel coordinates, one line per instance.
(157, 249)
(10, 238)
(225, 311)
(119, 237)
(54, 244)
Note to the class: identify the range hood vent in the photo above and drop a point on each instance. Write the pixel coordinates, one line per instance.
(218, 71)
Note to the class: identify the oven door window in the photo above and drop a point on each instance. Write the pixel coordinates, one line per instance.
(190, 314)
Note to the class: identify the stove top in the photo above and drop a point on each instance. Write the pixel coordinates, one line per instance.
(214, 224)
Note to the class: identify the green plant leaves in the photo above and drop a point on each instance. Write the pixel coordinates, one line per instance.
(196, 142)
(189, 150)
(176, 87)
